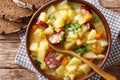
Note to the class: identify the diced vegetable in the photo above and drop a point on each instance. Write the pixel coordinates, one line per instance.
(68, 21)
(51, 16)
(97, 49)
(81, 49)
(92, 34)
(34, 54)
(87, 17)
(78, 42)
(103, 43)
(99, 35)
(41, 54)
(72, 34)
(69, 44)
(43, 17)
(49, 30)
(85, 68)
(37, 62)
(80, 19)
(60, 70)
(63, 38)
(89, 55)
(51, 9)
(71, 68)
(38, 33)
(71, 14)
(63, 5)
(43, 66)
(57, 30)
(33, 46)
(41, 23)
(91, 41)
(100, 56)
(75, 61)
(34, 27)
(64, 61)
(95, 19)
(44, 44)
(64, 14)
(59, 23)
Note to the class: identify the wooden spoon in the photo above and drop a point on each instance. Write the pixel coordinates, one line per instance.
(104, 74)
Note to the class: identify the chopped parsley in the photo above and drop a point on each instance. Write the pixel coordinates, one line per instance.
(95, 19)
(51, 16)
(81, 49)
(37, 62)
(63, 38)
(75, 26)
(69, 57)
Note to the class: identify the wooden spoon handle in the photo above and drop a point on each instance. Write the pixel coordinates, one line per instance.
(104, 74)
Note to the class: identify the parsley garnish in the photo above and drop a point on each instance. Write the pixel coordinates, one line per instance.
(75, 26)
(80, 49)
(37, 62)
(63, 38)
(51, 16)
(95, 19)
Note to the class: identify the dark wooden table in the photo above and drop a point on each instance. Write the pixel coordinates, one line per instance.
(9, 45)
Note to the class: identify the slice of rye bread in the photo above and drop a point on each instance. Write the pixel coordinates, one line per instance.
(10, 27)
(30, 4)
(9, 10)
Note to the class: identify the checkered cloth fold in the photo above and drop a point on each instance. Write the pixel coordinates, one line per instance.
(114, 56)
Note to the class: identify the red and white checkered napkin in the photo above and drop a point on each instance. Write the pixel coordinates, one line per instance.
(114, 56)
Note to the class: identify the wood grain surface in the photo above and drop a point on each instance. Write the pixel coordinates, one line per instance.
(9, 45)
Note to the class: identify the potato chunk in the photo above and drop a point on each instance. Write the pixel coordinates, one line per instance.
(100, 56)
(49, 30)
(92, 34)
(43, 17)
(33, 46)
(59, 23)
(63, 5)
(103, 43)
(71, 14)
(75, 61)
(69, 44)
(60, 70)
(44, 45)
(43, 66)
(85, 68)
(51, 9)
(71, 68)
(80, 19)
(41, 54)
(38, 33)
(64, 14)
(89, 55)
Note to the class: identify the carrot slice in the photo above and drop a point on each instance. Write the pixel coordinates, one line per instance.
(88, 17)
(78, 42)
(97, 49)
(34, 27)
(64, 61)
(68, 20)
(99, 35)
